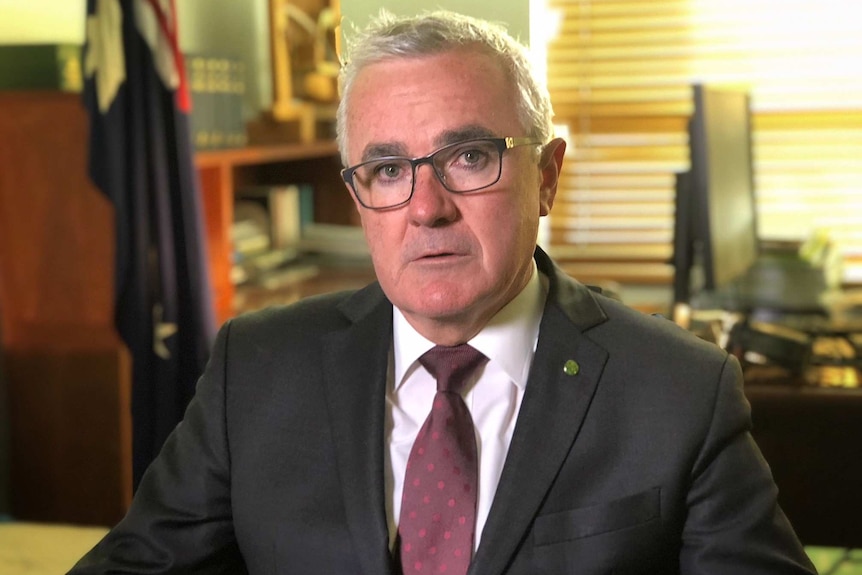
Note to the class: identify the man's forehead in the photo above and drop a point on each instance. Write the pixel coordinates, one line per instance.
(411, 106)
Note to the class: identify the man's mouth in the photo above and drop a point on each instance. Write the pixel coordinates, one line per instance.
(443, 251)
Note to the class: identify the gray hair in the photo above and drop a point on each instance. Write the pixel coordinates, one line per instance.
(389, 36)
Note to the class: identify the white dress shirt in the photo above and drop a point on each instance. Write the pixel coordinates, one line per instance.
(493, 395)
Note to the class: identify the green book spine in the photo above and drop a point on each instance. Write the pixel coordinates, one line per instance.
(41, 67)
(306, 205)
(236, 132)
(218, 70)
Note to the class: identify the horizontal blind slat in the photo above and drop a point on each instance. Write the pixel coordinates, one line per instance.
(620, 75)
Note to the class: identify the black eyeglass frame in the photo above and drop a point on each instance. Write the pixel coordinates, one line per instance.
(502, 144)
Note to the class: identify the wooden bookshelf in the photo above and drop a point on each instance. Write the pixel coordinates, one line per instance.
(67, 374)
(222, 172)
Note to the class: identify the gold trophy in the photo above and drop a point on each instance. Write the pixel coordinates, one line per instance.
(304, 62)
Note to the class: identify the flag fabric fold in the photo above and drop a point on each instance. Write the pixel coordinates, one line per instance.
(141, 158)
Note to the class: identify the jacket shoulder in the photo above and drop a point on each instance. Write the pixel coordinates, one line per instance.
(653, 331)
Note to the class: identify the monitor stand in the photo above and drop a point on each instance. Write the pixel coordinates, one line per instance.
(777, 285)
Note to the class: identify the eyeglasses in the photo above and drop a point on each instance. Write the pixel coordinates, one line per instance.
(468, 166)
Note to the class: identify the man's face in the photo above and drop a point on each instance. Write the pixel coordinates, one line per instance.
(449, 262)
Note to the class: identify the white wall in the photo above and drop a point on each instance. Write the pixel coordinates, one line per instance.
(42, 21)
(514, 14)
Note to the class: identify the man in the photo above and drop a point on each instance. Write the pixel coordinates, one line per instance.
(599, 440)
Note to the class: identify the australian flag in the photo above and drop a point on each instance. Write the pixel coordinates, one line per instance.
(141, 158)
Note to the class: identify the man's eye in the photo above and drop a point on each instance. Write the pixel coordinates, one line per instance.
(472, 157)
(387, 171)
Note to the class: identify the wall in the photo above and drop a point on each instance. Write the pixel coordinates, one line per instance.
(228, 27)
(514, 14)
(37, 21)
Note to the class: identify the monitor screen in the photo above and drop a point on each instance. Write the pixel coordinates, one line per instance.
(715, 234)
(722, 183)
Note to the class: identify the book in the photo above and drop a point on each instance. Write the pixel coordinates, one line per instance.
(251, 230)
(41, 67)
(306, 206)
(236, 135)
(286, 217)
(282, 204)
(216, 86)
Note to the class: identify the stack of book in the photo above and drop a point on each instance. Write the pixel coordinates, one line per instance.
(217, 87)
(268, 227)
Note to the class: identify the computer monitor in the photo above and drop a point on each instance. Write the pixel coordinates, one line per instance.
(715, 234)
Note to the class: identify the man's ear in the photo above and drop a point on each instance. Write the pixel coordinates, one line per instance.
(550, 164)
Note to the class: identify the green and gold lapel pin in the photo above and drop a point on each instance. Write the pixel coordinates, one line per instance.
(571, 367)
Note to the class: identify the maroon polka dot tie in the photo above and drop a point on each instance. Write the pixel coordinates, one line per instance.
(438, 505)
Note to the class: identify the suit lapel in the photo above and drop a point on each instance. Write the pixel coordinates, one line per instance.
(355, 375)
(555, 404)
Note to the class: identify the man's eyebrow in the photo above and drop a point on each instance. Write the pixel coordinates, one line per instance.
(464, 133)
(380, 150)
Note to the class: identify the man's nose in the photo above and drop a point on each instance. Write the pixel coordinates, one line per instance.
(431, 201)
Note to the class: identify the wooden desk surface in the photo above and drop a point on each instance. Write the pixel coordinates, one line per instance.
(810, 436)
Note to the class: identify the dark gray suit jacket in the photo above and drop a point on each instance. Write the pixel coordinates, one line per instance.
(641, 462)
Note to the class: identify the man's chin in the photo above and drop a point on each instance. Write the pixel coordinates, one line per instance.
(452, 304)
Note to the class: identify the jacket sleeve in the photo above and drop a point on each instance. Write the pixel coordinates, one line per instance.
(180, 520)
(734, 522)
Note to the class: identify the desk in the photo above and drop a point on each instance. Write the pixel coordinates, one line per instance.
(44, 549)
(812, 438)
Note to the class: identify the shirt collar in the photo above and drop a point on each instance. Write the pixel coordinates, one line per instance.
(509, 339)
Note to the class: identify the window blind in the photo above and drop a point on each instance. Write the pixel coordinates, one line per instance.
(620, 74)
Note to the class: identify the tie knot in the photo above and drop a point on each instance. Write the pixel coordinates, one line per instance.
(451, 366)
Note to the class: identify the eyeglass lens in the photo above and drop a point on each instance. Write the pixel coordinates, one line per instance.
(461, 167)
